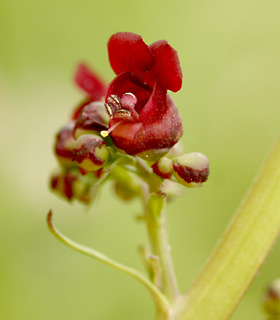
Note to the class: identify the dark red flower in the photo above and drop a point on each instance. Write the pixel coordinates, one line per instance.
(144, 119)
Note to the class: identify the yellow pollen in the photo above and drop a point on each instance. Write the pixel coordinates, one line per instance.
(104, 133)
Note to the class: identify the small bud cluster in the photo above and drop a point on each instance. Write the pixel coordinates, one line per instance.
(190, 169)
(86, 154)
(81, 152)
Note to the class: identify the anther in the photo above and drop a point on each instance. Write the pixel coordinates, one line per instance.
(109, 109)
(123, 113)
(115, 99)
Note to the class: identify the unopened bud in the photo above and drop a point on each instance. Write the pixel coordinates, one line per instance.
(90, 152)
(191, 169)
(62, 184)
(64, 145)
(92, 117)
(72, 185)
(163, 167)
(271, 302)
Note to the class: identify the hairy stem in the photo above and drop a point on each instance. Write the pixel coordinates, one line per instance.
(241, 251)
(159, 298)
(156, 225)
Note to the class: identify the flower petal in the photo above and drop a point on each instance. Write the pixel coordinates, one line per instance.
(128, 52)
(125, 132)
(88, 81)
(166, 68)
(155, 106)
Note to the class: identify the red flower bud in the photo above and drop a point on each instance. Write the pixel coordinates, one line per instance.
(63, 183)
(191, 169)
(90, 152)
(72, 185)
(64, 144)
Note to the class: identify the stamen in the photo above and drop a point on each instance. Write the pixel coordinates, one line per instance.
(105, 133)
(122, 108)
(108, 109)
(123, 113)
(114, 98)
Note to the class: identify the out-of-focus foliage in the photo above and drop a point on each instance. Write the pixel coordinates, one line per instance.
(229, 51)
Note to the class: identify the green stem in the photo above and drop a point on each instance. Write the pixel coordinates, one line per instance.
(160, 299)
(156, 225)
(241, 251)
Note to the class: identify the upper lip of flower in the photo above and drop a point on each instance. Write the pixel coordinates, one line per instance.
(143, 71)
(157, 62)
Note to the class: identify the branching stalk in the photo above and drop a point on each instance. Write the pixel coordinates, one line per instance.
(159, 298)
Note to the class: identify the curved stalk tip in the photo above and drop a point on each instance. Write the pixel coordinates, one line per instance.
(160, 300)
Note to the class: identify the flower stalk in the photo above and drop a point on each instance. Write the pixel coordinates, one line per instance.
(156, 226)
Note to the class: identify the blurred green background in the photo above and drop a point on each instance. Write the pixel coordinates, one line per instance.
(230, 56)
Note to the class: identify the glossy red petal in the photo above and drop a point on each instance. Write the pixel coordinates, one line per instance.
(88, 81)
(155, 106)
(166, 69)
(128, 52)
(125, 132)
